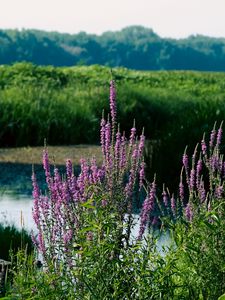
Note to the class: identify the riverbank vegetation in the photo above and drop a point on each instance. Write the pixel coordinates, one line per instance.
(64, 105)
(85, 226)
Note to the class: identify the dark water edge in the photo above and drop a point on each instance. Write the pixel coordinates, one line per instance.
(16, 177)
(12, 239)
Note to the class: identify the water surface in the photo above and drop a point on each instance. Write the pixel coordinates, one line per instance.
(16, 209)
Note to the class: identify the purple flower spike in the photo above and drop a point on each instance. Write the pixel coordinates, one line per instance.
(123, 152)
(219, 136)
(117, 147)
(46, 166)
(107, 141)
(132, 136)
(102, 135)
(198, 171)
(147, 207)
(219, 192)
(212, 138)
(165, 198)
(204, 147)
(67, 237)
(69, 169)
(141, 145)
(173, 205)
(181, 191)
(189, 212)
(36, 195)
(192, 179)
(104, 202)
(141, 175)
(202, 192)
(112, 100)
(185, 161)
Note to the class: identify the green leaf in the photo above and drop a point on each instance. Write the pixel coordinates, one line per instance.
(222, 297)
(88, 204)
(89, 228)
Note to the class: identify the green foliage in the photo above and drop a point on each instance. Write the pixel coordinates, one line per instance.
(64, 106)
(12, 239)
(100, 260)
(134, 47)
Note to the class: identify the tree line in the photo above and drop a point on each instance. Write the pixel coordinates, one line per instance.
(134, 47)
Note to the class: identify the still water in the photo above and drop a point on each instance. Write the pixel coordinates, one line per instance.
(15, 207)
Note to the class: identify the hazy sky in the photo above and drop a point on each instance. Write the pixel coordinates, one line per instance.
(168, 18)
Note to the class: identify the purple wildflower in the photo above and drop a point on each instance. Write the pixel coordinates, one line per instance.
(107, 141)
(198, 171)
(204, 147)
(202, 192)
(185, 161)
(141, 145)
(214, 162)
(41, 243)
(69, 168)
(219, 136)
(104, 202)
(117, 147)
(102, 135)
(132, 136)
(181, 187)
(147, 208)
(219, 192)
(112, 100)
(188, 212)
(141, 175)
(46, 163)
(36, 195)
(192, 179)
(123, 152)
(34, 239)
(173, 204)
(67, 237)
(165, 198)
(212, 138)
(130, 185)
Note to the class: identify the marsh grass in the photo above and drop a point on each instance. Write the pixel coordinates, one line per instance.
(13, 239)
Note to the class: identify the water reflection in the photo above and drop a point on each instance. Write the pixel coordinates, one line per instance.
(13, 206)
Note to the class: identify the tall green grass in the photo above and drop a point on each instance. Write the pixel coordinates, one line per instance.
(64, 106)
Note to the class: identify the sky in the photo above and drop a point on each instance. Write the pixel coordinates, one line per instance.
(168, 18)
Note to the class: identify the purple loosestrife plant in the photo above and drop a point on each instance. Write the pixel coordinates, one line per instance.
(147, 208)
(64, 216)
(205, 181)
